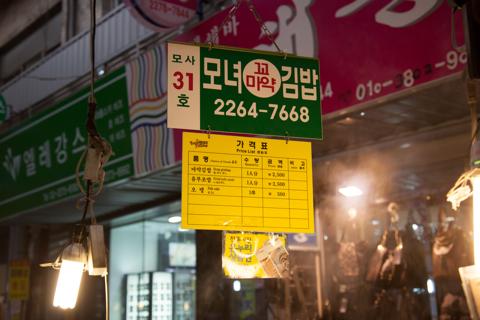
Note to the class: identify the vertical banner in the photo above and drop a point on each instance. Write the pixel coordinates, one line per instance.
(152, 142)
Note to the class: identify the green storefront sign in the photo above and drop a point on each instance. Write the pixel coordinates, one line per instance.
(246, 91)
(3, 109)
(38, 158)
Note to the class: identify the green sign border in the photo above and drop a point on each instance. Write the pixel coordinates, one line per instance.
(206, 115)
(33, 198)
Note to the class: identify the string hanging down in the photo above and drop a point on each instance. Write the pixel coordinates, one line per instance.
(98, 150)
(86, 250)
(253, 10)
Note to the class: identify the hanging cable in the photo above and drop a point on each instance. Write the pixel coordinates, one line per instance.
(93, 4)
(453, 32)
(107, 311)
(87, 246)
(472, 101)
(213, 40)
(262, 24)
(257, 17)
(98, 149)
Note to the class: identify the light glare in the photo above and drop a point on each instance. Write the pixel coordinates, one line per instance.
(430, 286)
(352, 213)
(175, 219)
(350, 191)
(237, 286)
(68, 284)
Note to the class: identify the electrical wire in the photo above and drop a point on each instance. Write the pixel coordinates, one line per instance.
(93, 6)
(472, 101)
(107, 309)
(262, 24)
(258, 19)
(453, 33)
(54, 78)
(228, 18)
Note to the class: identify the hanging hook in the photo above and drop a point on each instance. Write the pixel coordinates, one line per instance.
(261, 24)
(453, 33)
(229, 17)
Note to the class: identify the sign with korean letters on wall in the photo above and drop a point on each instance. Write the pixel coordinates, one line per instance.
(3, 109)
(38, 159)
(18, 280)
(236, 90)
(246, 184)
(384, 47)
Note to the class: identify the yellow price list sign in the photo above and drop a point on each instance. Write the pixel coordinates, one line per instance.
(246, 184)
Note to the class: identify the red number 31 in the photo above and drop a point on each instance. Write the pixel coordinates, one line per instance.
(179, 83)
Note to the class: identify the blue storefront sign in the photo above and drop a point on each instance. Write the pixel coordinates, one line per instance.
(302, 241)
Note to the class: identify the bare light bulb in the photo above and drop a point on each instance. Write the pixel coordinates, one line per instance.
(68, 284)
(70, 277)
(350, 191)
(175, 219)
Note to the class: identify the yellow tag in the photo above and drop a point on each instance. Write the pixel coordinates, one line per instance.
(19, 280)
(246, 184)
(242, 252)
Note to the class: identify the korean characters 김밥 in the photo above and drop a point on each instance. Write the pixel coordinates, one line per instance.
(268, 89)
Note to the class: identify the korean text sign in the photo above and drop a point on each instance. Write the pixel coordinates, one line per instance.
(368, 49)
(242, 253)
(160, 15)
(38, 159)
(19, 280)
(3, 109)
(246, 91)
(246, 184)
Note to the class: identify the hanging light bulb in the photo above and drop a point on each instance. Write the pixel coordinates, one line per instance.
(73, 263)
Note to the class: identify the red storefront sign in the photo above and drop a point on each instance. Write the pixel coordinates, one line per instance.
(162, 14)
(367, 49)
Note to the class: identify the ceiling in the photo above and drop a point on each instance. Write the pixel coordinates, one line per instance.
(407, 148)
(137, 195)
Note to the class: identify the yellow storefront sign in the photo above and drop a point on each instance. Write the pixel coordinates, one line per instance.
(246, 184)
(243, 256)
(19, 280)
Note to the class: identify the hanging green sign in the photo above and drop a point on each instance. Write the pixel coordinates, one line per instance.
(3, 109)
(245, 91)
(38, 158)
